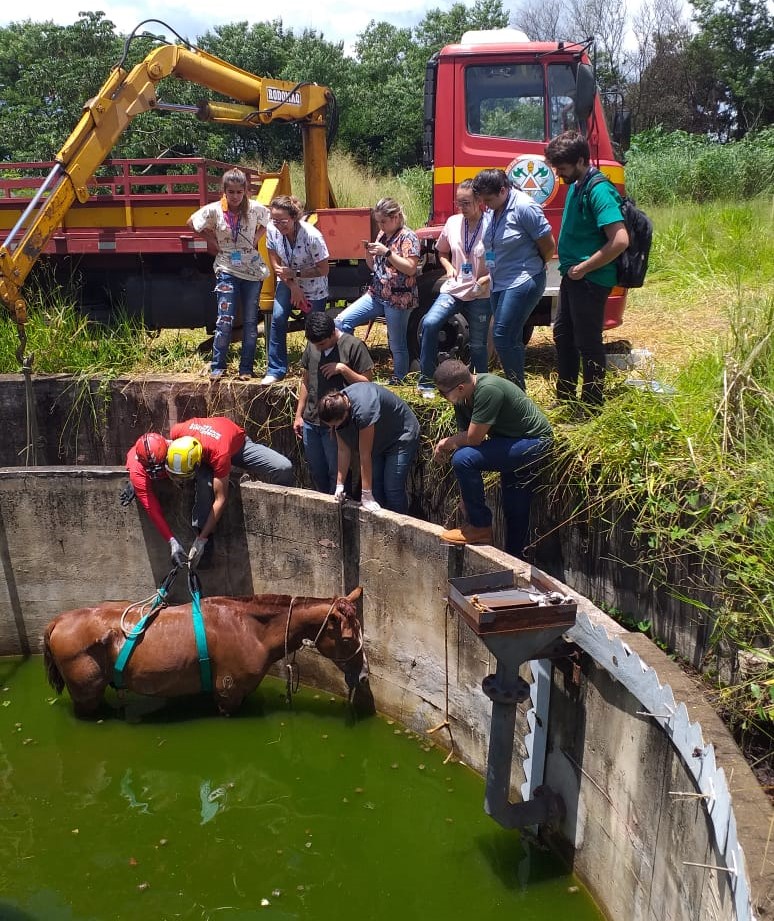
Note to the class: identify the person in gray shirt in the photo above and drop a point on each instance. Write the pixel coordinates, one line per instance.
(385, 431)
(332, 360)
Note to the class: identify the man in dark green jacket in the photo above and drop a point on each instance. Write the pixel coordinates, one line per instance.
(500, 429)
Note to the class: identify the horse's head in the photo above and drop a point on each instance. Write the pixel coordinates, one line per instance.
(341, 639)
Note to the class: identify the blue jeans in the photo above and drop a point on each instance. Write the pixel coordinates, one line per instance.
(278, 339)
(517, 462)
(367, 308)
(511, 309)
(228, 288)
(322, 453)
(268, 465)
(389, 474)
(445, 306)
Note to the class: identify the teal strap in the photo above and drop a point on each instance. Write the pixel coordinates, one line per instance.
(200, 633)
(130, 643)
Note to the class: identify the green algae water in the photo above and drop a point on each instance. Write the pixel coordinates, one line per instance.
(161, 813)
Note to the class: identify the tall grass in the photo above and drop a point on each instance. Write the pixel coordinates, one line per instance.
(695, 473)
(355, 186)
(667, 167)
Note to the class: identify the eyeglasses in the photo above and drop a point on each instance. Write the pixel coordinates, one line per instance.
(460, 203)
(282, 222)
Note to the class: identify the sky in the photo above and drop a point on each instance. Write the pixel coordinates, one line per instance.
(338, 20)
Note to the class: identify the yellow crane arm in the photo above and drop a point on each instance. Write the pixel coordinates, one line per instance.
(122, 97)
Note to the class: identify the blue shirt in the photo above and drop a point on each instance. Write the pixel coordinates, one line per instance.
(513, 235)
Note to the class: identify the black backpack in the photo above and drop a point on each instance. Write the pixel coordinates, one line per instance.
(632, 263)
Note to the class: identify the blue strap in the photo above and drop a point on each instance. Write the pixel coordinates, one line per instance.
(200, 633)
(130, 643)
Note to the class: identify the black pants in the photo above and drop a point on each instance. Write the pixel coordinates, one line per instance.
(578, 338)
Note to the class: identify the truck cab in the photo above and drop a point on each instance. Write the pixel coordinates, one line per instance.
(494, 101)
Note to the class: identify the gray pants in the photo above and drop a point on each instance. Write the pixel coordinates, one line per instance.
(268, 465)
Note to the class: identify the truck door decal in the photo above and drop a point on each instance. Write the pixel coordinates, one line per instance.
(534, 176)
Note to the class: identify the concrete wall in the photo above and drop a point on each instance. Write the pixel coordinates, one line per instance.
(95, 422)
(65, 541)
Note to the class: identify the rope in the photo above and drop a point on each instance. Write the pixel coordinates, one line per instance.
(148, 609)
(31, 448)
(445, 724)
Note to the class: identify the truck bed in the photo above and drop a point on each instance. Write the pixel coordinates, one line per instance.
(137, 206)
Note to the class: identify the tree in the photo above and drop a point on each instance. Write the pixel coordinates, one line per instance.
(46, 73)
(735, 42)
(542, 21)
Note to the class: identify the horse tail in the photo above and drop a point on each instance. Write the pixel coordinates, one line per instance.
(53, 674)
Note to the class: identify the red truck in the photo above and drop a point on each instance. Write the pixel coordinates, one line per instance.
(494, 100)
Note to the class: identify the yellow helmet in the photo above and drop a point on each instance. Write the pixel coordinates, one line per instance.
(183, 457)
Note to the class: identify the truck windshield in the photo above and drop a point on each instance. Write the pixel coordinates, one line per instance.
(507, 101)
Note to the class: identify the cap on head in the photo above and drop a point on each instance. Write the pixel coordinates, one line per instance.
(183, 457)
(151, 451)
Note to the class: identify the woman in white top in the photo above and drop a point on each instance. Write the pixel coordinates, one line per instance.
(232, 228)
(299, 258)
(460, 249)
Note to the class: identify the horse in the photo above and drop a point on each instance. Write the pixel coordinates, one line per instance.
(245, 636)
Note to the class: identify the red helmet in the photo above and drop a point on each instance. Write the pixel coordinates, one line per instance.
(151, 451)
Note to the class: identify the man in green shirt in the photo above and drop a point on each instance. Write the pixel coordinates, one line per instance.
(500, 429)
(592, 236)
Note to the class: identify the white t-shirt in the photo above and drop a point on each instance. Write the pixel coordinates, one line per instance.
(236, 236)
(307, 251)
(457, 237)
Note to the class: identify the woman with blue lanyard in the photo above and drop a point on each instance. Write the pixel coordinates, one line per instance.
(233, 228)
(460, 249)
(518, 243)
(299, 258)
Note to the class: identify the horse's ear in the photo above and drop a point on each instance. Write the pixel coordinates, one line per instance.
(355, 594)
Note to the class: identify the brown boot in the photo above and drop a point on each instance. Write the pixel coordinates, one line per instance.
(468, 534)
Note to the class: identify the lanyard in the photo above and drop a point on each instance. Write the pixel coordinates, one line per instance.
(496, 220)
(290, 251)
(467, 246)
(233, 222)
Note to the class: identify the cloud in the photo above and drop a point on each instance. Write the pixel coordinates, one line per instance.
(340, 21)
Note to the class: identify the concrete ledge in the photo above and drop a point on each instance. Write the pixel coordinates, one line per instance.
(65, 541)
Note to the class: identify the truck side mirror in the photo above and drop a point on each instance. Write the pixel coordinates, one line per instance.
(585, 91)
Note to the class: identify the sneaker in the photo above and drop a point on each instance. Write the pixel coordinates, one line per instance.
(245, 377)
(468, 534)
(216, 375)
(269, 379)
(395, 381)
(426, 391)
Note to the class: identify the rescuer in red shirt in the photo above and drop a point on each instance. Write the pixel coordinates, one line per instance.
(204, 448)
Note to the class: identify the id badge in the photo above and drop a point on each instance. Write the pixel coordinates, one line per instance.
(489, 258)
(236, 257)
(466, 271)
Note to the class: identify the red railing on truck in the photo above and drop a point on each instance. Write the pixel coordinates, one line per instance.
(136, 206)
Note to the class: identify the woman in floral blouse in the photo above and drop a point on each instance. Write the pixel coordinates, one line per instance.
(233, 228)
(299, 258)
(393, 257)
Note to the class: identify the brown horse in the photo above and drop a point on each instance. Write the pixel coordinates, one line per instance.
(245, 636)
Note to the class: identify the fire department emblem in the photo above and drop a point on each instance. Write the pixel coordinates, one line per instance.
(533, 176)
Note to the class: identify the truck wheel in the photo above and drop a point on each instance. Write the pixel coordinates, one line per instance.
(453, 338)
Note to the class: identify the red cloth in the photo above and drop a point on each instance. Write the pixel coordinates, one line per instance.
(138, 477)
(220, 439)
